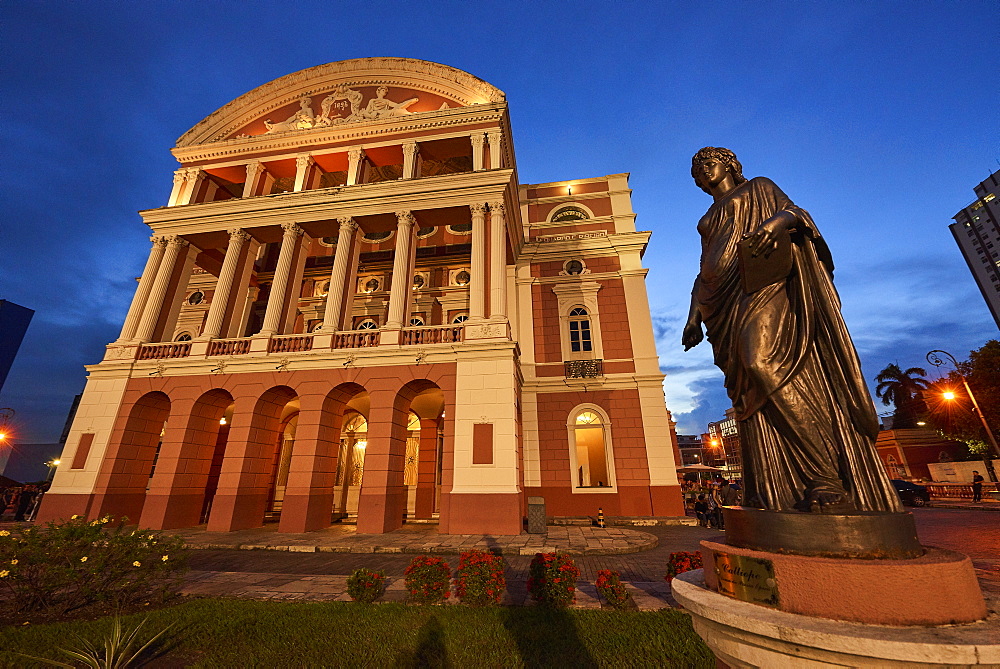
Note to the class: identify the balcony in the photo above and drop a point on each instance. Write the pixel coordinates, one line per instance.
(228, 347)
(162, 351)
(290, 343)
(584, 369)
(434, 334)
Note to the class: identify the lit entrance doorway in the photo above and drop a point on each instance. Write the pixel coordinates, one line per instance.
(282, 460)
(351, 463)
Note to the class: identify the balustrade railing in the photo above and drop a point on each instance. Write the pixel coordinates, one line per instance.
(356, 339)
(228, 347)
(943, 490)
(173, 349)
(290, 344)
(434, 334)
(584, 369)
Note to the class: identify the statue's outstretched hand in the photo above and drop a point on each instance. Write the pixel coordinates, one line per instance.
(693, 335)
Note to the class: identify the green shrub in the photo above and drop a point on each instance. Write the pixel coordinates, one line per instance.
(428, 579)
(479, 579)
(65, 566)
(365, 585)
(552, 579)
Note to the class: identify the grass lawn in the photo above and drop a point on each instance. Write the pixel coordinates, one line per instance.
(239, 633)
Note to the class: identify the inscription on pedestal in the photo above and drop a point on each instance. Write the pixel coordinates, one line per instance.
(747, 579)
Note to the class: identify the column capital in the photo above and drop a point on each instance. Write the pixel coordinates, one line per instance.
(192, 172)
(406, 218)
(410, 148)
(254, 167)
(176, 240)
(158, 240)
(477, 139)
(497, 207)
(347, 223)
(496, 132)
(478, 208)
(238, 233)
(180, 174)
(303, 161)
(355, 153)
(292, 229)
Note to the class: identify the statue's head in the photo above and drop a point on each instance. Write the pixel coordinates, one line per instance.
(727, 157)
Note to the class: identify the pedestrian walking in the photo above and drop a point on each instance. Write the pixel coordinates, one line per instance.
(977, 487)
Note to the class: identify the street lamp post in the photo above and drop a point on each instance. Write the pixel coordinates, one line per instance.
(936, 359)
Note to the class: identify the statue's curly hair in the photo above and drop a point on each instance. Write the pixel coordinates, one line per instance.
(719, 153)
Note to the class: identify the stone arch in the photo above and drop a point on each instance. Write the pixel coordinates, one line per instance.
(280, 96)
(125, 470)
(310, 499)
(244, 482)
(183, 486)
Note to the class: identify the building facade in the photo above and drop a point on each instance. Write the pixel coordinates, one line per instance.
(352, 308)
(977, 231)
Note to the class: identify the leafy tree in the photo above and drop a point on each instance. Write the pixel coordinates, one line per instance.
(955, 418)
(904, 390)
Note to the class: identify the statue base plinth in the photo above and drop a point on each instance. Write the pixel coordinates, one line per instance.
(746, 635)
(859, 535)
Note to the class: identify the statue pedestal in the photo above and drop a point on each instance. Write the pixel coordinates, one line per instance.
(808, 600)
(749, 635)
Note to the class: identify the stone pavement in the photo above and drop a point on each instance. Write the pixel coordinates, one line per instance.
(421, 538)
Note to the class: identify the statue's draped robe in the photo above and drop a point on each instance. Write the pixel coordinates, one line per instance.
(806, 420)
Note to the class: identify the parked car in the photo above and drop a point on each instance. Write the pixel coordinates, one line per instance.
(911, 494)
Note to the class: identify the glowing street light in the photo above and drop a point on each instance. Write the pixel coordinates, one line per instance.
(934, 357)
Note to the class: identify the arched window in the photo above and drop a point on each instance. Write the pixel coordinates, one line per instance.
(416, 322)
(461, 318)
(580, 339)
(591, 459)
(367, 324)
(184, 336)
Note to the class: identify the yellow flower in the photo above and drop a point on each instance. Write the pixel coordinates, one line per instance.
(74, 516)
(4, 573)
(95, 522)
(136, 564)
(105, 519)
(83, 559)
(14, 561)
(165, 558)
(4, 533)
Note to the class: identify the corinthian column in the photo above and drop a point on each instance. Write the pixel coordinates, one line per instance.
(402, 281)
(477, 286)
(498, 261)
(494, 137)
(224, 286)
(154, 302)
(338, 275)
(355, 156)
(409, 160)
(142, 290)
(279, 285)
(477, 151)
(254, 170)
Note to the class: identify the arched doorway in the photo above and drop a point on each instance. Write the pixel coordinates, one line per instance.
(125, 473)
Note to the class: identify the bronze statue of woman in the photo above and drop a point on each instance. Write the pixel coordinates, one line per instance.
(807, 422)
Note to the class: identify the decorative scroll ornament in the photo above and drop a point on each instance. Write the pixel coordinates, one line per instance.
(341, 107)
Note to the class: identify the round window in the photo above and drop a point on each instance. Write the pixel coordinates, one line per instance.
(184, 336)
(375, 237)
(416, 321)
(463, 278)
(574, 267)
(196, 297)
(371, 285)
(461, 318)
(418, 281)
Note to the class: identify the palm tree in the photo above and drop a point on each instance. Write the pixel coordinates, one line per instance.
(903, 389)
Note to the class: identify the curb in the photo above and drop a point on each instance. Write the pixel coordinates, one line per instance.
(433, 550)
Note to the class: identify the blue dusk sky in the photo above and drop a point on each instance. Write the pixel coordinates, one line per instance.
(876, 117)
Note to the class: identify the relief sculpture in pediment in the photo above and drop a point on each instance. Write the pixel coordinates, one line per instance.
(342, 106)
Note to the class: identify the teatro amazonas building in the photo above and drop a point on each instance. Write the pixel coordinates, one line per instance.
(352, 309)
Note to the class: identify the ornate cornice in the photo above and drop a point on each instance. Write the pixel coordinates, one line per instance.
(419, 75)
